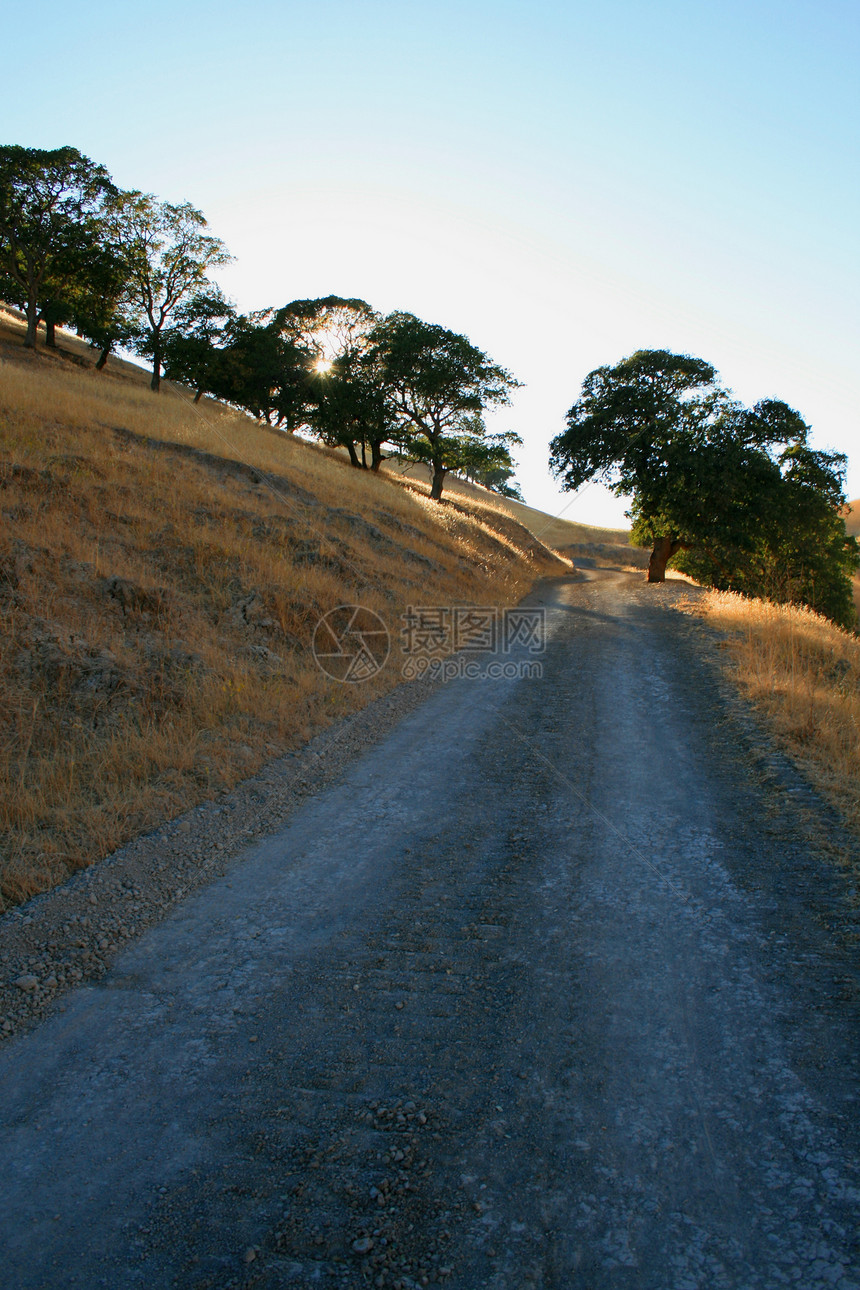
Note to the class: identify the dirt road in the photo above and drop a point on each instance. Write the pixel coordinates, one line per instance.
(554, 989)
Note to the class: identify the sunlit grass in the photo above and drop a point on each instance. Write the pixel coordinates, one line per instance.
(804, 673)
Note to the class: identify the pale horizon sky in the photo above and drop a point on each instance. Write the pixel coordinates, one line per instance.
(564, 183)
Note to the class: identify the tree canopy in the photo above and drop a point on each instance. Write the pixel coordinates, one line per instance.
(347, 405)
(438, 383)
(352, 407)
(49, 201)
(328, 328)
(258, 369)
(735, 494)
(193, 343)
(486, 459)
(168, 255)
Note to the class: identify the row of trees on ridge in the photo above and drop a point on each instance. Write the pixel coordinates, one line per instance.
(128, 271)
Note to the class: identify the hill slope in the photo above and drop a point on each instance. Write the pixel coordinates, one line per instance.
(554, 532)
(162, 571)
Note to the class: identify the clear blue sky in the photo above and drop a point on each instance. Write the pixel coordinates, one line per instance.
(563, 182)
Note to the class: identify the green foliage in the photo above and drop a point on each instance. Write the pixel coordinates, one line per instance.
(168, 254)
(787, 540)
(50, 201)
(630, 418)
(87, 290)
(126, 269)
(485, 459)
(735, 495)
(328, 328)
(348, 405)
(352, 408)
(438, 384)
(192, 345)
(258, 369)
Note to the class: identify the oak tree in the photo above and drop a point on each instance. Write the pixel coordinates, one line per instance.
(486, 459)
(258, 369)
(735, 495)
(193, 343)
(49, 203)
(169, 254)
(350, 404)
(633, 427)
(437, 382)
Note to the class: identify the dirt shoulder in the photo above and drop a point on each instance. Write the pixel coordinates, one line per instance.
(72, 934)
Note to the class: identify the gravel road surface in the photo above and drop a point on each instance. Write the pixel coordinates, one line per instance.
(555, 986)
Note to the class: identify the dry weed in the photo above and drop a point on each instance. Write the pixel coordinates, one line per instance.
(804, 673)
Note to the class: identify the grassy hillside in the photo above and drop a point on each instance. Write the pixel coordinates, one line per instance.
(162, 569)
(556, 533)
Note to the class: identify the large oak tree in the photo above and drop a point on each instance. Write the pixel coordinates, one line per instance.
(633, 428)
(193, 343)
(737, 494)
(168, 253)
(50, 201)
(349, 403)
(439, 385)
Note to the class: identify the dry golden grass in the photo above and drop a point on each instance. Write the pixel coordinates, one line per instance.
(162, 569)
(553, 531)
(804, 673)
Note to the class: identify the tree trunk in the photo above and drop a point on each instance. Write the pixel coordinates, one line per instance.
(353, 455)
(199, 395)
(32, 324)
(103, 357)
(664, 549)
(439, 473)
(376, 457)
(155, 383)
(50, 334)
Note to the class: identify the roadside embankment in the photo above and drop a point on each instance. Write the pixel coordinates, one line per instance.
(803, 674)
(163, 568)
